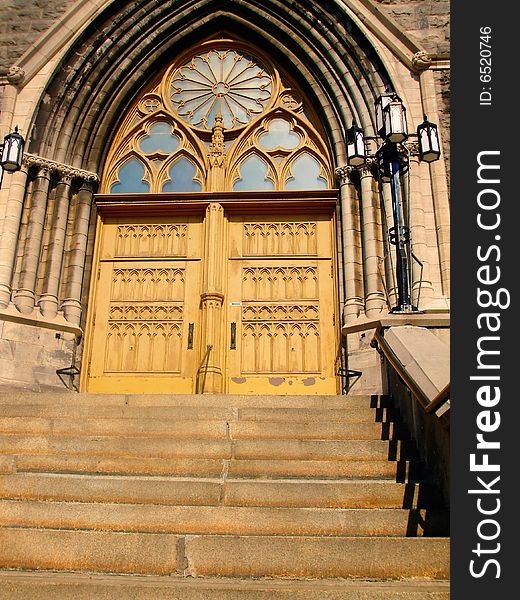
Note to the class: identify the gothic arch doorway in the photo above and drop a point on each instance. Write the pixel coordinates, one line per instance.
(215, 261)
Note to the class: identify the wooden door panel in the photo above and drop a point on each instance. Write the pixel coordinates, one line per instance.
(281, 297)
(146, 297)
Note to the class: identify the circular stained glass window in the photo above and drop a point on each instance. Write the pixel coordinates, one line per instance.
(221, 82)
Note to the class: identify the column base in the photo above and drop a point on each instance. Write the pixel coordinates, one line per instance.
(48, 305)
(72, 310)
(24, 300)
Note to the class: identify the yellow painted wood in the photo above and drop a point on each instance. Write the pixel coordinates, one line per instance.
(271, 275)
(281, 298)
(148, 282)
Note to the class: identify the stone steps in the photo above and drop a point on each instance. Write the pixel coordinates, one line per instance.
(225, 401)
(236, 468)
(169, 447)
(219, 555)
(228, 490)
(347, 414)
(228, 520)
(199, 429)
(215, 492)
(63, 586)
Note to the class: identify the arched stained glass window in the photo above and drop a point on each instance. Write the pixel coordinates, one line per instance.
(182, 176)
(279, 136)
(221, 82)
(253, 176)
(131, 179)
(306, 175)
(159, 139)
(219, 119)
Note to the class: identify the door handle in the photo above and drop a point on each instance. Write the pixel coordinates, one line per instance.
(191, 326)
(233, 344)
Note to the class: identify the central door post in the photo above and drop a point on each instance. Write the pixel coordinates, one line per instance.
(212, 298)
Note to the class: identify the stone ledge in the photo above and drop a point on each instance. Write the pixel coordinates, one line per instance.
(428, 320)
(36, 319)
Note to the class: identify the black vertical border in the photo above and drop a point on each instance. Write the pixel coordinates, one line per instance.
(477, 128)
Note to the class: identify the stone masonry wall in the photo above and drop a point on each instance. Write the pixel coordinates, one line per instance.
(23, 22)
(428, 21)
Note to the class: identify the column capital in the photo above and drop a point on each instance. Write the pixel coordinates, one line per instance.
(367, 170)
(62, 169)
(344, 174)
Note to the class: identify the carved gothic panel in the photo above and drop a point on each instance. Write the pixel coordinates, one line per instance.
(281, 347)
(151, 240)
(148, 285)
(263, 239)
(143, 347)
(280, 283)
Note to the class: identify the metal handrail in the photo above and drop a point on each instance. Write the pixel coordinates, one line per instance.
(204, 367)
(428, 405)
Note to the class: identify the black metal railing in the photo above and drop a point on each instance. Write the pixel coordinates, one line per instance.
(203, 370)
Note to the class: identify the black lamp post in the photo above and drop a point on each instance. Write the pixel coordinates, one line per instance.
(392, 162)
(11, 153)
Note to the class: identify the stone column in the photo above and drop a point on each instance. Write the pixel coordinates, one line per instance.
(212, 297)
(421, 291)
(9, 237)
(48, 301)
(72, 303)
(24, 298)
(352, 247)
(374, 295)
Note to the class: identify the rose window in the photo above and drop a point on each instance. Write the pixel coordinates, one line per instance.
(221, 82)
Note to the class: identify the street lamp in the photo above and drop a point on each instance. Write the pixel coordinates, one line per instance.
(11, 153)
(428, 136)
(356, 151)
(392, 162)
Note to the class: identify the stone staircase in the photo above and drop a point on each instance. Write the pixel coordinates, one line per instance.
(215, 497)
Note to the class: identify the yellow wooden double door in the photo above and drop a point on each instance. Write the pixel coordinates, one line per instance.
(214, 302)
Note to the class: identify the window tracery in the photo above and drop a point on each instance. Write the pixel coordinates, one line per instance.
(221, 119)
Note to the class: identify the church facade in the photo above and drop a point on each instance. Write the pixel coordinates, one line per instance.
(186, 219)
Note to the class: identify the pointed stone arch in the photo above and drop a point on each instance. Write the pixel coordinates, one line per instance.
(117, 47)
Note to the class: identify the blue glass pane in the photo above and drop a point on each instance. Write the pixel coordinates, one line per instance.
(160, 137)
(182, 174)
(253, 176)
(279, 136)
(306, 175)
(131, 179)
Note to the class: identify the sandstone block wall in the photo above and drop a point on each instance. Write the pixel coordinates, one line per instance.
(22, 22)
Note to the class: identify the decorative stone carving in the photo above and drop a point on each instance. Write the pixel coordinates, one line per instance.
(15, 75)
(413, 147)
(64, 171)
(217, 153)
(421, 61)
(367, 170)
(344, 174)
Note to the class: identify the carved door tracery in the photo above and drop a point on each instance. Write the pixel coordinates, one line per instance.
(147, 279)
(282, 300)
(272, 276)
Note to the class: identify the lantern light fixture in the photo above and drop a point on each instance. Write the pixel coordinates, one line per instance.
(428, 136)
(394, 121)
(12, 152)
(380, 105)
(356, 150)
